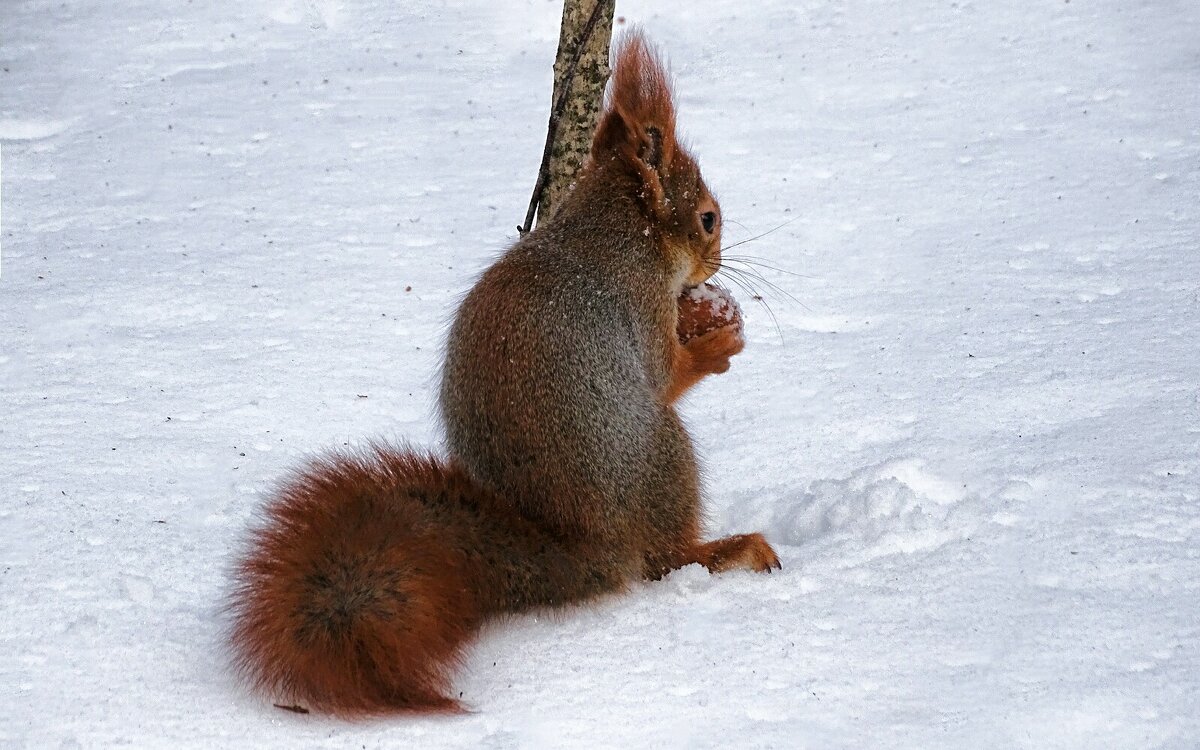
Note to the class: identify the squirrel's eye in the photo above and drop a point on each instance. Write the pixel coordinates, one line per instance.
(708, 220)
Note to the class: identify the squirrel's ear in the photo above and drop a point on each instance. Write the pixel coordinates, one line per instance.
(638, 124)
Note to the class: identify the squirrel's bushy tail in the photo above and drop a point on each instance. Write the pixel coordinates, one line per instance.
(351, 599)
(371, 572)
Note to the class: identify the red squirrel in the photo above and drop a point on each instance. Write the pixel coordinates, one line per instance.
(570, 475)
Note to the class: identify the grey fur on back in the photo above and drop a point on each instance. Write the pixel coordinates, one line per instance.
(553, 373)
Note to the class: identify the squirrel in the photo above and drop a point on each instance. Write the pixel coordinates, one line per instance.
(570, 475)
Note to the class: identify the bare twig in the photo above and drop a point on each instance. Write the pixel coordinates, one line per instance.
(296, 709)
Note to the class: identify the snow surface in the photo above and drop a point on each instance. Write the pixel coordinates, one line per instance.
(720, 300)
(234, 233)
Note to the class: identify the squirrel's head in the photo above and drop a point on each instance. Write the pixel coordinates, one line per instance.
(637, 133)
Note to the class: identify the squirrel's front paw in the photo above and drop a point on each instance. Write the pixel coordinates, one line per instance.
(712, 351)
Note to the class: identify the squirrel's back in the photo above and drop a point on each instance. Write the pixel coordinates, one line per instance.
(554, 385)
(546, 388)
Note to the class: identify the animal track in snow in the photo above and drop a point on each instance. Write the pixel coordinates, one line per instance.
(894, 507)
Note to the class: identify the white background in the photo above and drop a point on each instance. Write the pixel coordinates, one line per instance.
(974, 436)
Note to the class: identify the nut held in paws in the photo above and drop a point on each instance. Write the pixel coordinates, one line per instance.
(705, 308)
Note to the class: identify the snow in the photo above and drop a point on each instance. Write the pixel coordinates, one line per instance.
(974, 437)
(719, 299)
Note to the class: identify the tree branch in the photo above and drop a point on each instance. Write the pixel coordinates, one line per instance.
(556, 112)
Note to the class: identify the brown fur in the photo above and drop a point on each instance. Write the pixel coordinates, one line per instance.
(342, 603)
(571, 473)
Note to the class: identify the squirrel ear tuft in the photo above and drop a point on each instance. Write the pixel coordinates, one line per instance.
(652, 152)
(638, 124)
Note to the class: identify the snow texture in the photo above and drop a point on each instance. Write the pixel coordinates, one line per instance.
(721, 303)
(234, 233)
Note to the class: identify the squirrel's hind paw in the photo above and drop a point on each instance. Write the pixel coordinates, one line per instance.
(748, 551)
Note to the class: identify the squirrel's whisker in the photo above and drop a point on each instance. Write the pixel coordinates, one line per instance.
(752, 260)
(754, 274)
(760, 236)
(739, 278)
